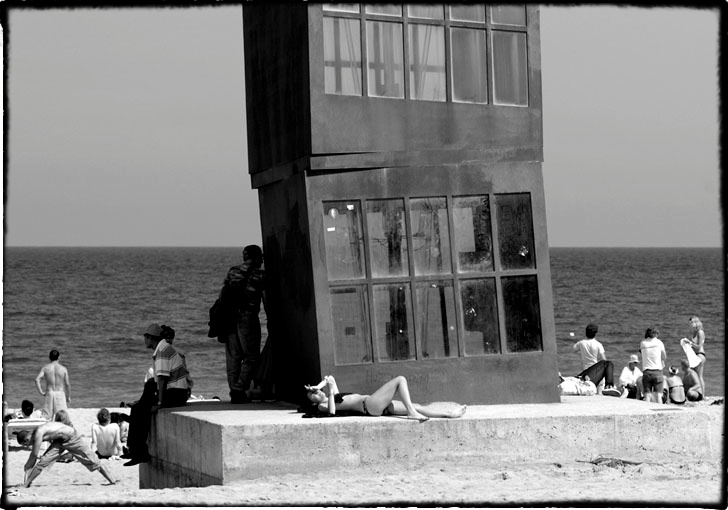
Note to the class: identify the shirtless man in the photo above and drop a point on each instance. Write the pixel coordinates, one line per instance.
(62, 436)
(57, 386)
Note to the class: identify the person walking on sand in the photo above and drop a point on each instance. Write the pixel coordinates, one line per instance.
(594, 362)
(653, 362)
(62, 437)
(242, 293)
(57, 391)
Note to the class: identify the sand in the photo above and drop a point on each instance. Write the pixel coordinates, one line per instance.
(658, 480)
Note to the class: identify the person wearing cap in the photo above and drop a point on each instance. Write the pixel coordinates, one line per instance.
(242, 293)
(674, 391)
(628, 378)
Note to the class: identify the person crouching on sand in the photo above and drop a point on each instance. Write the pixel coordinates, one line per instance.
(62, 436)
(328, 399)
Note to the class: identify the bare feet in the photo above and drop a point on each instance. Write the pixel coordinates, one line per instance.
(417, 416)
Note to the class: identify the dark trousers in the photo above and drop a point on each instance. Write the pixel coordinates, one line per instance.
(140, 421)
(603, 369)
(242, 351)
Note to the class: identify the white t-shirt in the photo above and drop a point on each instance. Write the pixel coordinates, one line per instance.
(629, 377)
(591, 351)
(653, 354)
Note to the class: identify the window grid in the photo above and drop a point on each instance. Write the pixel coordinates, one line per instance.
(404, 19)
(456, 278)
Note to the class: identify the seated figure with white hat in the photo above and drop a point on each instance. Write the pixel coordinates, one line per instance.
(628, 378)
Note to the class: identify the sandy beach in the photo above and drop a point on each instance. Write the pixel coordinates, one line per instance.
(667, 479)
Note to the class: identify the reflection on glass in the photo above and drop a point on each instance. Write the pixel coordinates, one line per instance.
(385, 61)
(342, 56)
(392, 317)
(430, 236)
(473, 238)
(425, 11)
(351, 325)
(480, 317)
(427, 62)
(386, 9)
(515, 231)
(344, 240)
(387, 238)
(467, 13)
(510, 68)
(341, 7)
(469, 69)
(523, 318)
(508, 14)
(436, 319)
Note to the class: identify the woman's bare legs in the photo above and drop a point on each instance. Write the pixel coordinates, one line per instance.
(398, 408)
(378, 401)
(699, 370)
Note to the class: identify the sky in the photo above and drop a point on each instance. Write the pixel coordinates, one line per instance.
(127, 127)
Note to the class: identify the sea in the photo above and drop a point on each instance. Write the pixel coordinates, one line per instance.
(92, 304)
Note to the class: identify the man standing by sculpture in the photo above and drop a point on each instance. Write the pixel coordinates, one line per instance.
(237, 321)
(57, 385)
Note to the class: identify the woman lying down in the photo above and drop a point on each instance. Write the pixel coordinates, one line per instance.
(327, 397)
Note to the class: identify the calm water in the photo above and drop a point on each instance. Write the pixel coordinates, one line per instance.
(91, 304)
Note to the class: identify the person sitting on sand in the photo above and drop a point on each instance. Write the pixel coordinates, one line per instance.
(691, 382)
(595, 364)
(105, 437)
(628, 378)
(328, 399)
(27, 411)
(674, 390)
(62, 436)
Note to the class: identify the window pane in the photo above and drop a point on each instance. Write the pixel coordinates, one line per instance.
(523, 319)
(430, 236)
(385, 59)
(436, 319)
(510, 68)
(480, 317)
(392, 317)
(387, 238)
(427, 62)
(473, 238)
(388, 9)
(467, 13)
(425, 11)
(351, 325)
(515, 231)
(469, 71)
(342, 56)
(508, 14)
(341, 7)
(344, 240)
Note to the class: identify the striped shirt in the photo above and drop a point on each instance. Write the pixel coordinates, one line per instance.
(170, 363)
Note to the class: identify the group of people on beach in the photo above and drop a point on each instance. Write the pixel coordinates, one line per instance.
(649, 383)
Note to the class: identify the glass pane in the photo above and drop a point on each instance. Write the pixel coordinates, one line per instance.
(523, 319)
(342, 56)
(392, 317)
(508, 14)
(436, 319)
(469, 71)
(387, 9)
(510, 68)
(515, 231)
(467, 13)
(344, 240)
(341, 7)
(385, 59)
(351, 325)
(387, 238)
(480, 317)
(430, 236)
(425, 11)
(427, 62)
(473, 238)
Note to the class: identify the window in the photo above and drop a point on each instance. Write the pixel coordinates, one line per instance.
(428, 52)
(432, 277)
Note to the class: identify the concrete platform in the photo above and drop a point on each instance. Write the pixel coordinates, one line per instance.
(216, 443)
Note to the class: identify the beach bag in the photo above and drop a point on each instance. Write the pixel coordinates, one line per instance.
(216, 322)
(575, 386)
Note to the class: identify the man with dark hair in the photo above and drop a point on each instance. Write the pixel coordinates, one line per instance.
(594, 362)
(240, 298)
(57, 391)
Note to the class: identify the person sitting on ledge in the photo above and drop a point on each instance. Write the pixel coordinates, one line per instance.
(595, 364)
(326, 396)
